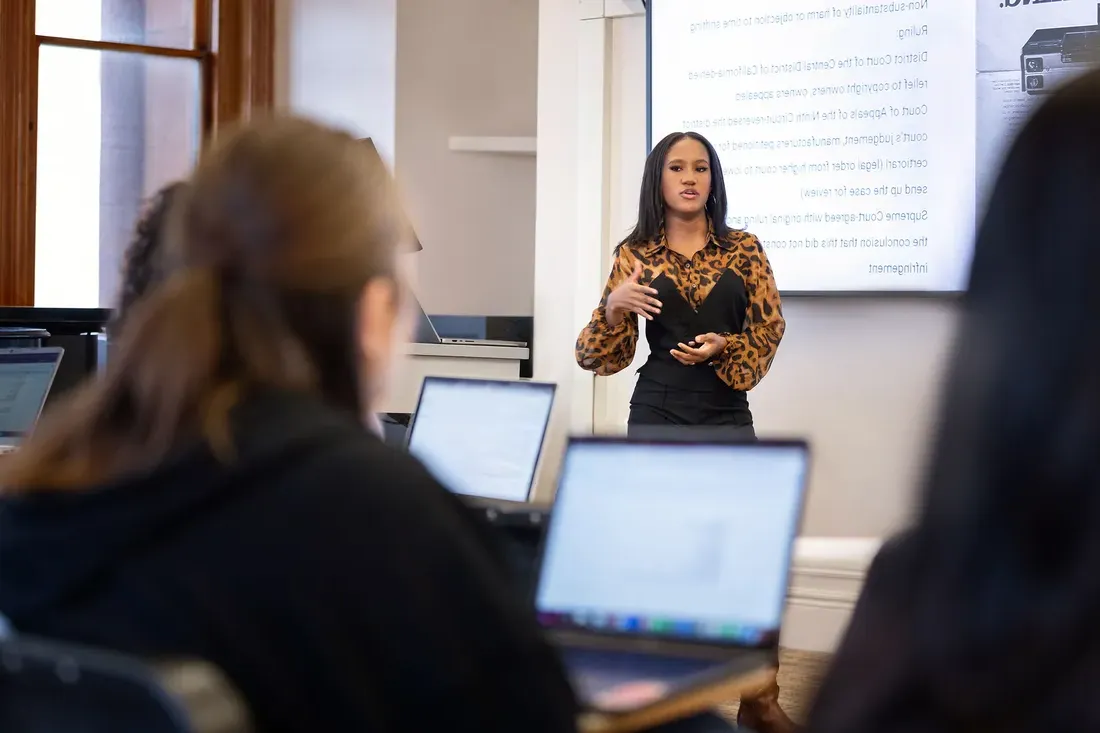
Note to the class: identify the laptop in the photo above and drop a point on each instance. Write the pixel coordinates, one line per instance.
(482, 438)
(426, 334)
(665, 565)
(26, 376)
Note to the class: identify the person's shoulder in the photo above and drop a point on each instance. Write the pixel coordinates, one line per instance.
(355, 494)
(898, 549)
(897, 558)
(307, 445)
(363, 499)
(359, 468)
(629, 251)
(641, 245)
(744, 240)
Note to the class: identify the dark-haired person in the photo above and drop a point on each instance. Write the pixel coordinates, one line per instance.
(983, 615)
(216, 495)
(141, 265)
(713, 317)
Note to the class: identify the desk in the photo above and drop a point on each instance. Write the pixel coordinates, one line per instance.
(447, 360)
(684, 705)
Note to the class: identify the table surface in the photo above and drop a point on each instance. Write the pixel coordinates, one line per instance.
(468, 351)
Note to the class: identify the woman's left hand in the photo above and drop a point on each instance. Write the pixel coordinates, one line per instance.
(700, 351)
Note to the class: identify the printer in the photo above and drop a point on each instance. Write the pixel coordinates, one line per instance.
(1055, 55)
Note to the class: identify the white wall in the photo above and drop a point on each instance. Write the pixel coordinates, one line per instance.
(858, 377)
(468, 69)
(861, 379)
(410, 77)
(336, 61)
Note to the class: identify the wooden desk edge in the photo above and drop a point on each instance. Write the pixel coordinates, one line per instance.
(690, 703)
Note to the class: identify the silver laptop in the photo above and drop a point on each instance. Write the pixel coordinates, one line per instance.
(426, 334)
(482, 438)
(665, 564)
(26, 376)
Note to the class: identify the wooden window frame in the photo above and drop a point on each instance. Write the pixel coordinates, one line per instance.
(235, 46)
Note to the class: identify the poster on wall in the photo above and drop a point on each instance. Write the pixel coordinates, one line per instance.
(1025, 50)
(858, 139)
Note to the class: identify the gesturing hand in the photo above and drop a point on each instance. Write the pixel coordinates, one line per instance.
(703, 349)
(632, 297)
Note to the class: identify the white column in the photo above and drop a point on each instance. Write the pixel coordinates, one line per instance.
(571, 208)
(592, 172)
(627, 153)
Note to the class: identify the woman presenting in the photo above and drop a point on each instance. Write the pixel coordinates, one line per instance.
(715, 319)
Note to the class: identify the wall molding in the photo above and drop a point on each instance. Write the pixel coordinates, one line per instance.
(827, 575)
(818, 598)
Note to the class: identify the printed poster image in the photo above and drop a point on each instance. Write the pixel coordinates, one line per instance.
(1026, 49)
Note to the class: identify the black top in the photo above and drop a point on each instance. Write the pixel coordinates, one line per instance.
(722, 311)
(333, 579)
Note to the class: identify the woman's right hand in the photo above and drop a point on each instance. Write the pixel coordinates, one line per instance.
(632, 297)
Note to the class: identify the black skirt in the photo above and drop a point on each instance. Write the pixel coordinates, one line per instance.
(659, 411)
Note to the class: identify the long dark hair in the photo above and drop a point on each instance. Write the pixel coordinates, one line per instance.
(141, 264)
(651, 202)
(1011, 512)
(267, 254)
(1003, 580)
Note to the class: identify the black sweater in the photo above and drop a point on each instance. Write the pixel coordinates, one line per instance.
(334, 580)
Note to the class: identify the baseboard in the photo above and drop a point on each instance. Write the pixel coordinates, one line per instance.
(826, 578)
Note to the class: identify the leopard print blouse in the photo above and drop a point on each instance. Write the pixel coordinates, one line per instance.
(606, 350)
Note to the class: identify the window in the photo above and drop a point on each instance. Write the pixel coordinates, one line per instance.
(112, 99)
(160, 23)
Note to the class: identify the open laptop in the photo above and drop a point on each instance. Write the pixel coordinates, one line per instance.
(26, 376)
(426, 334)
(665, 564)
(482, 438)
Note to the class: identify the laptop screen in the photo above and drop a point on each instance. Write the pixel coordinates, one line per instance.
(25, 379)
(425, 331)
(481, 437)
(684, 540)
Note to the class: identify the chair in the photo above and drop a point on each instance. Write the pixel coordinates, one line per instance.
(53, 687)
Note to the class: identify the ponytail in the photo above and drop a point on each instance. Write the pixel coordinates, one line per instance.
(169, 355)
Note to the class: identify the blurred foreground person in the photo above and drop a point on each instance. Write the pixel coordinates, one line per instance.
(216, 495)
(143, 266)
(983, 616)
